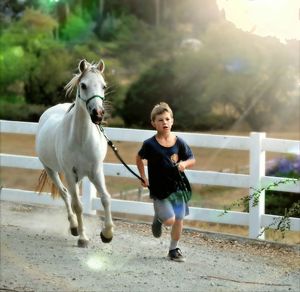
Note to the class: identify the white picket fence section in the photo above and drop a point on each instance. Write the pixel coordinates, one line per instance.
(256, 144)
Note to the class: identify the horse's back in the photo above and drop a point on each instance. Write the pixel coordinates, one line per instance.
(46, 135)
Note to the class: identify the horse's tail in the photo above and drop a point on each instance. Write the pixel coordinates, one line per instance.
(43, 179)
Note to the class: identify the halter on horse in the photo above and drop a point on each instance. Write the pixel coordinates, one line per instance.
(68, 142)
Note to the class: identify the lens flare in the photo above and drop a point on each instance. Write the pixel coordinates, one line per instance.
(96, 262)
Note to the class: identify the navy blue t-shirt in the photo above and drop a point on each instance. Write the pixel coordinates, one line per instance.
(161, 161)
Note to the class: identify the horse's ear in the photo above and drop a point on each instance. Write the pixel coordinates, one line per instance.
(101, 66)
(82, 65)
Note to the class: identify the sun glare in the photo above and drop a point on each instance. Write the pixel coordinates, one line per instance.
(95, 262)
(277, 18)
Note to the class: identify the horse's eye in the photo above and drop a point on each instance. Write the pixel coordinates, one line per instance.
(104, 87)
(83, 86)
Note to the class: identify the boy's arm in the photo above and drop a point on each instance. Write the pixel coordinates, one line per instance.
(182, 165)
(141, 168)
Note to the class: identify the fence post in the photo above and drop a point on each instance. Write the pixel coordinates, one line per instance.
(89, 192)
(257, 171)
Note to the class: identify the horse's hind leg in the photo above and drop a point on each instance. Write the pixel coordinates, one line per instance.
(99, 182)
(66, 197)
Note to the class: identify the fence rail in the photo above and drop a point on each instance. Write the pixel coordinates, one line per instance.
(256, 144)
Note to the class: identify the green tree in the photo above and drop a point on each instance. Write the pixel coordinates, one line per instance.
(46, 80)
(179, 81)
(77, 28)
(20, 46)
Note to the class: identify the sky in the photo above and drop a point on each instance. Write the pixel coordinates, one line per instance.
(278, 18)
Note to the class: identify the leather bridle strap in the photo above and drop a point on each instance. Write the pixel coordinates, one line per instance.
(89, 99)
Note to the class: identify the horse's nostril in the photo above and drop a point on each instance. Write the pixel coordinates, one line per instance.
(98, 112)
(97, 115)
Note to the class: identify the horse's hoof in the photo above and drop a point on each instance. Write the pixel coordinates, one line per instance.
(104, 239)
(83, 243)
(74, 231)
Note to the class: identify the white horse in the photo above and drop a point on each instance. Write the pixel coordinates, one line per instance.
(68, 142)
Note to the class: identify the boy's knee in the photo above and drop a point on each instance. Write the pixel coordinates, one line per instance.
(170, 221)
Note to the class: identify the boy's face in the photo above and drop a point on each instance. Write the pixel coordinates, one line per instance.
(163, 123)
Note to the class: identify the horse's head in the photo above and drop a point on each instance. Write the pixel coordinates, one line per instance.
(91, 88)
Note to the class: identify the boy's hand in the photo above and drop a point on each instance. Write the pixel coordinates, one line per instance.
(145, 183)
(181, 166)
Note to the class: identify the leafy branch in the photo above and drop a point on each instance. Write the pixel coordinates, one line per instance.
(282, 223)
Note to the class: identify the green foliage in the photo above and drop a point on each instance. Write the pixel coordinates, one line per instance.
(21, 112)
(47, 80)
(279, 202)
(12, 99)
(282, 223)
(141, 98)
(47, 6)
(245, 201)
(140, 45)
(14, 67)
(20, 45)
(181, 82)
(232, 77)
(109, 27)
(78, 28)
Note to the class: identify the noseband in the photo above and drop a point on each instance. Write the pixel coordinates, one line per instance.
(89, 99)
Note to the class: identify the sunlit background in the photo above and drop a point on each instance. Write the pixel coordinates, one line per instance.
(277, 18)
(235, 61)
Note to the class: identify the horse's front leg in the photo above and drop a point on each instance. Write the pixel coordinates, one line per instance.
(77, 208)
(99, 181)
(66, 197)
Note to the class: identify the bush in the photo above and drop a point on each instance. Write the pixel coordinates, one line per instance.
(21, 112)
(47, 79)
(278, 202)
(181, 82)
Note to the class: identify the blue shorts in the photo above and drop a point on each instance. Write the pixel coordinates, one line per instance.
(165, 209)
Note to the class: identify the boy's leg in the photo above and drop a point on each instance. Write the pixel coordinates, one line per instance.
(163, 214)
(176, 233)
(174, 252)
(156, 227)
(177, 229)
(180, 210)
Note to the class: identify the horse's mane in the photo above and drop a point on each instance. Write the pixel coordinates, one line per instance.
(77, 77)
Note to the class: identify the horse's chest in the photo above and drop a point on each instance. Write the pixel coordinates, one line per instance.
(81, 166)
(85, 159)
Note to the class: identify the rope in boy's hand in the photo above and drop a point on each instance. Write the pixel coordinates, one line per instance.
(180, 166)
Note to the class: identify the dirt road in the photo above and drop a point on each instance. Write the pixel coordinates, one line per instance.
(38, 254)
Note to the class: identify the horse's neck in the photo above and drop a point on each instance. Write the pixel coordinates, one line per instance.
(81, 124)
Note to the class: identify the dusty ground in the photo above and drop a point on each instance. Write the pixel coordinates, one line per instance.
(38, 254)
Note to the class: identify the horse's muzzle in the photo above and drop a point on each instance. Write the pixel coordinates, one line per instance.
(97, 116)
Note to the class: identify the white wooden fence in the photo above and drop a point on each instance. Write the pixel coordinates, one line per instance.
(257, 144)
